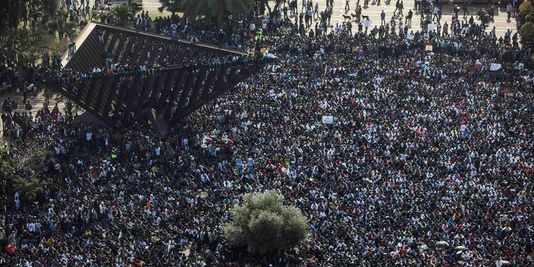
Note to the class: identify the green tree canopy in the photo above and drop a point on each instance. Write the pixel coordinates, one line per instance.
(526, 7)
(18, 11)
(216, 10)
(527, 32)
(123, 12)
(19, 27)
(264, 225)
(530, 17)
(29, 190)
(172, 6)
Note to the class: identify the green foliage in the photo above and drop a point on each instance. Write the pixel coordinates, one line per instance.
(215, 10)
(49, 6)
(19, 16)
(172, 6)
(295, 231)
(530, 17)
(14, 12)
(7, 166)
(37, 159)
(123, 12)
(70, 29)
(527, 7)
(29, 191)
(52, 27)
(527, 32)
(264, 225)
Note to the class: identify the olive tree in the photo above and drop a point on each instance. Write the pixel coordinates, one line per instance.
(263, 224)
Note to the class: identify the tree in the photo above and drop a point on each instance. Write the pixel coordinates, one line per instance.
(526, 8)
(264, 225)
(19, 14)
(36, 158)
(172, 6)
(18, 11)
(29, 190)
(215, 10)
(529, 17)
(122, 12)
(527, 33)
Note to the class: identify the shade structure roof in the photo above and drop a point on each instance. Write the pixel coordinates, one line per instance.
(154, 76)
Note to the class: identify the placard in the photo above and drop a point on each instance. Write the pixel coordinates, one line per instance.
(495, 66)
(328, 119)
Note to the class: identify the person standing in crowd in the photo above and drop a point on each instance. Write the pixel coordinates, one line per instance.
(409, 18)
(509, 10)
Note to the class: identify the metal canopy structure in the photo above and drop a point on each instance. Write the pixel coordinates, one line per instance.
(180, 76)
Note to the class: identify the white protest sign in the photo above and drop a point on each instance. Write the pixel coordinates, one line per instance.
(327, 119)
(495, 66)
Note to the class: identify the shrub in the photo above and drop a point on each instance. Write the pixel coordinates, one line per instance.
(37, 158)
(29, 190)
(526, 8)
(527, 32)
(264, 225)
(52, 27)
(122, 12)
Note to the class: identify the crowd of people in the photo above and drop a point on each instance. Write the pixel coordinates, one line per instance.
(401, 148)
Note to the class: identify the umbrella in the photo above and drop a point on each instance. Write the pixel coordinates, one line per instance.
(460, 248)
